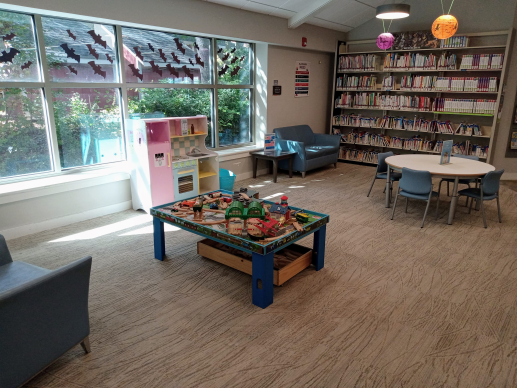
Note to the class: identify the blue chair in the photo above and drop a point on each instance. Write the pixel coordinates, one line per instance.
(382, 171)
(43, 314)
(463, 181)
(313, 150)
(418, 185)
(488, 190)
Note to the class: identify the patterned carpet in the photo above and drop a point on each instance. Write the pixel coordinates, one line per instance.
(395, 305)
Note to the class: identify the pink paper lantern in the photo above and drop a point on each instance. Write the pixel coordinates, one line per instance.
(385, 41)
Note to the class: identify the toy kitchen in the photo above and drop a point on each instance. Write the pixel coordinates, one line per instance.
(169, 160)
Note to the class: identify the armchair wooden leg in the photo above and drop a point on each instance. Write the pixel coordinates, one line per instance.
(303, 174)
(335, 165)
(85, 344)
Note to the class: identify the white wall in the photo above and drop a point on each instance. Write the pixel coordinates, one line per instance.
(286, 110)
(194, 16)
(39, 213)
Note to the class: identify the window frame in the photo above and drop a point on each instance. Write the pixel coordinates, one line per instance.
(122, 86)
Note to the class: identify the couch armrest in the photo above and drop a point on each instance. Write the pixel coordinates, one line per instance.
(5, 256)
(42, 319)
(329, 140)
(290, 146)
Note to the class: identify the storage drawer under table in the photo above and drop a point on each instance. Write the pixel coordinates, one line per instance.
(288, 262)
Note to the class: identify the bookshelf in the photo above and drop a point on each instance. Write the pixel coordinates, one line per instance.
(469, 86)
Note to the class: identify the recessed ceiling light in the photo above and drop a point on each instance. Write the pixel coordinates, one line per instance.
(393, 11)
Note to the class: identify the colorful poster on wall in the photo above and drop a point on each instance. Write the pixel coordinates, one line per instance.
(301, 82)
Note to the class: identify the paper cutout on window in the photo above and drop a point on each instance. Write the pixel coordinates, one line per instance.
(97, 69)
(97, 38)
(70, 53)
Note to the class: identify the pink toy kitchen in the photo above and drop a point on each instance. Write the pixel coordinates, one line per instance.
(169, 160)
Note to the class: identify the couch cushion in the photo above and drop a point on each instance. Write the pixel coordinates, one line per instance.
(316, 151)
(301, 133)
(17, 273)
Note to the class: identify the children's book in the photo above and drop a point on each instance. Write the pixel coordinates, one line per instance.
(269, 142)
(513, 144)
(445, 158)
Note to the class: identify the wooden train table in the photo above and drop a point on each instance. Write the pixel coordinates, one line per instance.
(264, 276)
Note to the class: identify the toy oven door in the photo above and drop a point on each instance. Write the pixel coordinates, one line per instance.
(185, 183)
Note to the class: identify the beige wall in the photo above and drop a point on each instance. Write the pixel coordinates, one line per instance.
(286, 110)
(193, 16)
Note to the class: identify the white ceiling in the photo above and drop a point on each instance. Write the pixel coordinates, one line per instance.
(340, 15)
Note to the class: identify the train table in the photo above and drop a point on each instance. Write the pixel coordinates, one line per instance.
(261, 252)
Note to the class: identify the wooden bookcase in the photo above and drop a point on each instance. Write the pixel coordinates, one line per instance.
(497, 42)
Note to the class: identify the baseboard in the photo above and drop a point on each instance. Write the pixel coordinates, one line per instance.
(25, 230)
(509, 176)
(246, 175)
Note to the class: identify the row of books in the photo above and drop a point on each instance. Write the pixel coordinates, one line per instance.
(359, 62)
(468, 84)
(413, 82)
(365, 156)
(464, 105)
(455, 41)
(464, 148)
(383, 101)
(414, 143)
(363, 82)
(403, 123)
(482, 61)
(417, 61)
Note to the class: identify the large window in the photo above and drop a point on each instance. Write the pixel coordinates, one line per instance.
(88, 126)
(172, 103)
(24, 142)
(76, 82)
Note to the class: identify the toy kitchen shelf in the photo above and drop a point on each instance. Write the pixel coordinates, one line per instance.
(163, 167)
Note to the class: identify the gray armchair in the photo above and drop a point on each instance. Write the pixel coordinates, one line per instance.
(312, 150)
(43, 314)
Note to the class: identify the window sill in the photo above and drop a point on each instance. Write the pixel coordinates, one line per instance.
(19, 191)
(236, 153)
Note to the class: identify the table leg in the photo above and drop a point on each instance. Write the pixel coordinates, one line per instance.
(454, 200)
(159, 239)
(270, 167)
(262, 279)
(291, 167)
(318, 250)
(388, 191)
(254, 167)
(275, 170)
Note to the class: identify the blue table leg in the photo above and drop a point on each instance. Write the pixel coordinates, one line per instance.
(159, 239)
(262, 279)
(318, 250)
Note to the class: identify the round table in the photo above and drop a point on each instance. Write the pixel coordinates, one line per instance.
(457, 168)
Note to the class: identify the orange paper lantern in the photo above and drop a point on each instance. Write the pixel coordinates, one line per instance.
(445, 26)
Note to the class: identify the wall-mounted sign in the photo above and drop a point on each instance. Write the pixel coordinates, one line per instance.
(301, 82)
(277, 90)
(275, 82)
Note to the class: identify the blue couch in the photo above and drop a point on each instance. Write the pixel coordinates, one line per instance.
(312, 150)
(43, 314)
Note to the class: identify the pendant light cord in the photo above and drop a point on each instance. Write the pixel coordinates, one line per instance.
(384, 28)
(443, 11)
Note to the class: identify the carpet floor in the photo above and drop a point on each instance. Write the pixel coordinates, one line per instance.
(395, 305)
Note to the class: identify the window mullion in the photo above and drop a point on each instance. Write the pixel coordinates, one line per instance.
(215, 121)
(47, 92)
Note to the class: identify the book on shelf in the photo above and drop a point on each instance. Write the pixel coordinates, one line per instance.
(482, 62)
(513, 142)
(445, 157)
(459, 105)
(455, 41)
(366, 62)
(363, 82)
(366, 156)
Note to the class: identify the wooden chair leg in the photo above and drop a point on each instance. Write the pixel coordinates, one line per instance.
(483, 211)
(85, 344)
(427, 208)
(395, 205)
(498, 208)
(371, 186)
